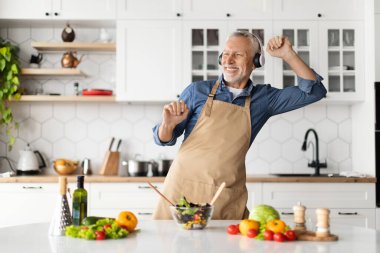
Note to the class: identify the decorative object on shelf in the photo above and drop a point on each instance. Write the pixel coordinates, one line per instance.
(96, 92)
(104, 36)
(76, 88)
(70, 60)
(9, 88)
(35, 60)
(68, 34)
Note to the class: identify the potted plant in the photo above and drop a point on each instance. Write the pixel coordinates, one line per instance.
(9, 83)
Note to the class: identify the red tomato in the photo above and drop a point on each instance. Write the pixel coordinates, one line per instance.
(252, 233)
(268, 235)
(290, 235)
(279, 237)
(107, 226)
(100, 235)
(232, 229)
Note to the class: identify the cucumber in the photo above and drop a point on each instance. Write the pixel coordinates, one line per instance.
(91, 220)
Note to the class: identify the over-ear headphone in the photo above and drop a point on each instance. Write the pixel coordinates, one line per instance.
(259, 59)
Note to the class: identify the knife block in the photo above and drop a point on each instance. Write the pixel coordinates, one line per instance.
(110, 165)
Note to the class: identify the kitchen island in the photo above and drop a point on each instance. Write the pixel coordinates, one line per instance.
(166, 236)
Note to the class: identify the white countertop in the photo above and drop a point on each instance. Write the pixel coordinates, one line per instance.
(166, 236)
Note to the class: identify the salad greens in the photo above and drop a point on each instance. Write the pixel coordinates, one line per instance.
(108, 226)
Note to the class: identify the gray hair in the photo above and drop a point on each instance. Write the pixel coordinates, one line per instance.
(252, 38)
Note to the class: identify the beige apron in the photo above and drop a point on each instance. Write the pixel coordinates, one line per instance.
(213, 153)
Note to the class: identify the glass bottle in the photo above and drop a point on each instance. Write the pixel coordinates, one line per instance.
(79, 202)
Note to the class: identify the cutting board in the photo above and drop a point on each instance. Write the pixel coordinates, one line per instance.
(310, 236)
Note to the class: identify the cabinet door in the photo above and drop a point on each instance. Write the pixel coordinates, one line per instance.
(318, 10)
(254, 195)
(244, 9)
(377, 46)
(263, 29)
(353, 217)
(149, 60)
(84, 9)
(203, 42)
(148, 9)
(342, 60)
(304, 38)
(24, 9)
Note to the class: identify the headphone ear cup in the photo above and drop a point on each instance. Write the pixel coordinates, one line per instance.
(220, 59)
(256, 60)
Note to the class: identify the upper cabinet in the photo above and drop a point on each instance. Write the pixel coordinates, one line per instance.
(58, 9)
(149, 9)
(211, 9)
(321, 10)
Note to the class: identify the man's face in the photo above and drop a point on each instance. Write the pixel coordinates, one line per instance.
(237, 60)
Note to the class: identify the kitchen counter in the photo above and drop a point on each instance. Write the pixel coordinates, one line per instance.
(166, 236)
(250, 179)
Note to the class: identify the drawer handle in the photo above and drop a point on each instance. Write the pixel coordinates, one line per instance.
(144, 187)
(287, 213)
(32, 187)
(141, 213)
(354, 213)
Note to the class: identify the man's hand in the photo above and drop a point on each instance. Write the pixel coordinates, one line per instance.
(172, 114)
(280, 46)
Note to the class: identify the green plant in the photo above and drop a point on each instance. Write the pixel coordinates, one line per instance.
(9, 83)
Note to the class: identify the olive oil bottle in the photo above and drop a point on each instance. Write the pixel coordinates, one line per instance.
(79, 202)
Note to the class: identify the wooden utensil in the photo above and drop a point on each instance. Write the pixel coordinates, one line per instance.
(217, 193)
(110, 165)
(162, 195)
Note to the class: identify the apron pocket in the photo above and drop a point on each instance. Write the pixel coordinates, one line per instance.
(225, 206)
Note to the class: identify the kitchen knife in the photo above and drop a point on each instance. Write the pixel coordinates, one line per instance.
(118, 145)
(112, 140)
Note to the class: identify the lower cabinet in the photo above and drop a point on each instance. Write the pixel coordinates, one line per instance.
(109, 199)
(349, 203)
(25, 203)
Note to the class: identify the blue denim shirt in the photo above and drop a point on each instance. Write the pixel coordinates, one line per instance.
(266, 101)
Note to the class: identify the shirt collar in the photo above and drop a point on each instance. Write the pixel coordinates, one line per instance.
(223, 88)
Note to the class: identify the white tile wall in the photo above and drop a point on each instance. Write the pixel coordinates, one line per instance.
(79, 130)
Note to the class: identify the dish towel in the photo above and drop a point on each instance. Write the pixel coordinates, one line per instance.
(352, 174)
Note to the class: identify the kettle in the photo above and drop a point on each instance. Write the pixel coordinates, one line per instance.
(68, 34)
(70, 60)
(30, 162)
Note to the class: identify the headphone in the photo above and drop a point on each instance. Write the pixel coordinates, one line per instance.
(258, 60)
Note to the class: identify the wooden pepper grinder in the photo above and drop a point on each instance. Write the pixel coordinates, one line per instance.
(299, 217)
(323, 222)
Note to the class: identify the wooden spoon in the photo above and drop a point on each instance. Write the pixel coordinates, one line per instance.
(217, 193)
(162, 195)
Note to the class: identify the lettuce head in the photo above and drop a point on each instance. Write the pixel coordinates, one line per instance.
(263, 214)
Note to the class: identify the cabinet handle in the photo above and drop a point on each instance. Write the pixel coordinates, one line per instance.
(354, 213)
(319, 15)
(47, 13)
(32, 187)
(178, 14)
(287, 213)
(141, 213)
(228, 15)
(56, 13)
(144, 187)
(178, 95)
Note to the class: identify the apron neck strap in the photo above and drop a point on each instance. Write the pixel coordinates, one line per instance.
(211, 95)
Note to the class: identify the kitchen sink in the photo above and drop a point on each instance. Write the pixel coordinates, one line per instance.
(304, 175)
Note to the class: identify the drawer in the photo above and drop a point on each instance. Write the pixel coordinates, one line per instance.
(318, 195)
(123, 196)
(141, 214)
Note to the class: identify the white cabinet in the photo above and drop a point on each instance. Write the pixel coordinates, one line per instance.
(323, 9)
(109, 199)
(377, 218)
(58, 9)
(334, 49)
(149, 60)
(148, 9)
(220, 9)
(352, 204)
(377, 46)
(23, 203)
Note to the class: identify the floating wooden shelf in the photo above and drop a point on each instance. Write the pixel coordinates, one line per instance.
(83, 46)
(51, 72)
(46, 98)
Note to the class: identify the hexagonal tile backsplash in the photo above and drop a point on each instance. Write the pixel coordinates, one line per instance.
(84, 130)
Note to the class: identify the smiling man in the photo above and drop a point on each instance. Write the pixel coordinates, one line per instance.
(221, 118)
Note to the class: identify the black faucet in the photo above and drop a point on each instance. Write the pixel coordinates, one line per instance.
(315, 163)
